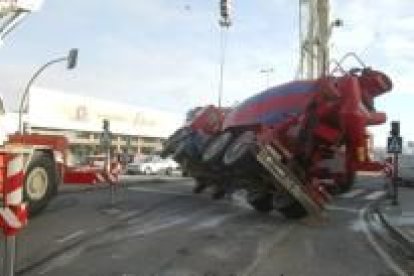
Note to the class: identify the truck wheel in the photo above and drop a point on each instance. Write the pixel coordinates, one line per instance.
(215, 149)
(262, 203)
(186, 150)
(40, 182)
(239, 152)
(179, 152)
(293, 211)
(171, 144)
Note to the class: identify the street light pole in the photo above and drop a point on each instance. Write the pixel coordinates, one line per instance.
(225, 23)
(71, 59)
(223, 46)
(267, 71)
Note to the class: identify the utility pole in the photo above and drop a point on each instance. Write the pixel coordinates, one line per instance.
(105, 141)
(394, 146)
(267, 72)
(224, 23)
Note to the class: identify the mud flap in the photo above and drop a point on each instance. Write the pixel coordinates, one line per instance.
(283, 176)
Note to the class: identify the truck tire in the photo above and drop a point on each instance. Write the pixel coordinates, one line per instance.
(239, 152)
(293, 211)
(179, 152)
(262, 203)
(40, 182)
(186, 150)
(216, 148)
(171, 143)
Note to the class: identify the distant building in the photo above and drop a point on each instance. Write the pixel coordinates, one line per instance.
(80, 119)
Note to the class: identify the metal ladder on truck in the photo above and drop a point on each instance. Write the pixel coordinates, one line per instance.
(283, 176)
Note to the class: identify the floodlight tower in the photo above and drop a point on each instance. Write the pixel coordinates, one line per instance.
(315, 29)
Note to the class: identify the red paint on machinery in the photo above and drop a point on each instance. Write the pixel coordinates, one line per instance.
(289, 145)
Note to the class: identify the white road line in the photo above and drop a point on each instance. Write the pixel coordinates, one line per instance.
(339, 208)
(146, 190)
(375, 195)
(384, 256)
(352, 193)
(213, 222)
(71, 236)
(128, 215)
(167, 222)
(264, 248)
(155, 228)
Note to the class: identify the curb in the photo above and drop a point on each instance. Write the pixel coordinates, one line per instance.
(394, 231)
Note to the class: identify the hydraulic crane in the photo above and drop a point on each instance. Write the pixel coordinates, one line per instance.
(292, 145)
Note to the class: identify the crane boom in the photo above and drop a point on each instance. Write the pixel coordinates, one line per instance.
(12, 13)
(313, 37)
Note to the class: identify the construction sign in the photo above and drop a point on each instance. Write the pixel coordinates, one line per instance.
(394, 144)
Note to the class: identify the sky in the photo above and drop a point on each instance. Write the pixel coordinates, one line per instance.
(164, 54)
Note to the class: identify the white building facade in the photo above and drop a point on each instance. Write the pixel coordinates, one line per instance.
(136, 130)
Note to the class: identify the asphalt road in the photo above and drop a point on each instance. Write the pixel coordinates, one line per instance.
(160, 228)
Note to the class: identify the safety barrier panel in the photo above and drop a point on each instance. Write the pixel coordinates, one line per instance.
(111, 176)
(388, 168)
(13, 212)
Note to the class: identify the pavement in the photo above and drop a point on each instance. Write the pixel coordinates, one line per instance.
(158, 227)
(401, 216)
(399, 219)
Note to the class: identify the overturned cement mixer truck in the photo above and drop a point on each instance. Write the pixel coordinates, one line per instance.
(290, 147)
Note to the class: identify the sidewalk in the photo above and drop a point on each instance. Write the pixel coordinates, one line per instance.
(400, 219)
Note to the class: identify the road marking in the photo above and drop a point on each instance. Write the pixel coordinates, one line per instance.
(352, 193)
(62, 260)
(128, 215)
(264, 248)
(212, 222)
(112, 211)
(339, 208)
(72, 236)
(155, 228)
(146, 190)
(384, 256)
(170, 221)
(375, 195)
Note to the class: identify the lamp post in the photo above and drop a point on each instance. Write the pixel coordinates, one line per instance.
(71, 59)
(224, 23)
(267, 71)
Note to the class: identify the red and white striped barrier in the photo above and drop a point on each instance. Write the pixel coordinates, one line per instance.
(13, 213)
(110, 177)
(388, 168)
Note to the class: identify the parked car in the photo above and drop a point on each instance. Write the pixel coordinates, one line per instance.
(153, 165)
(133, 168)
